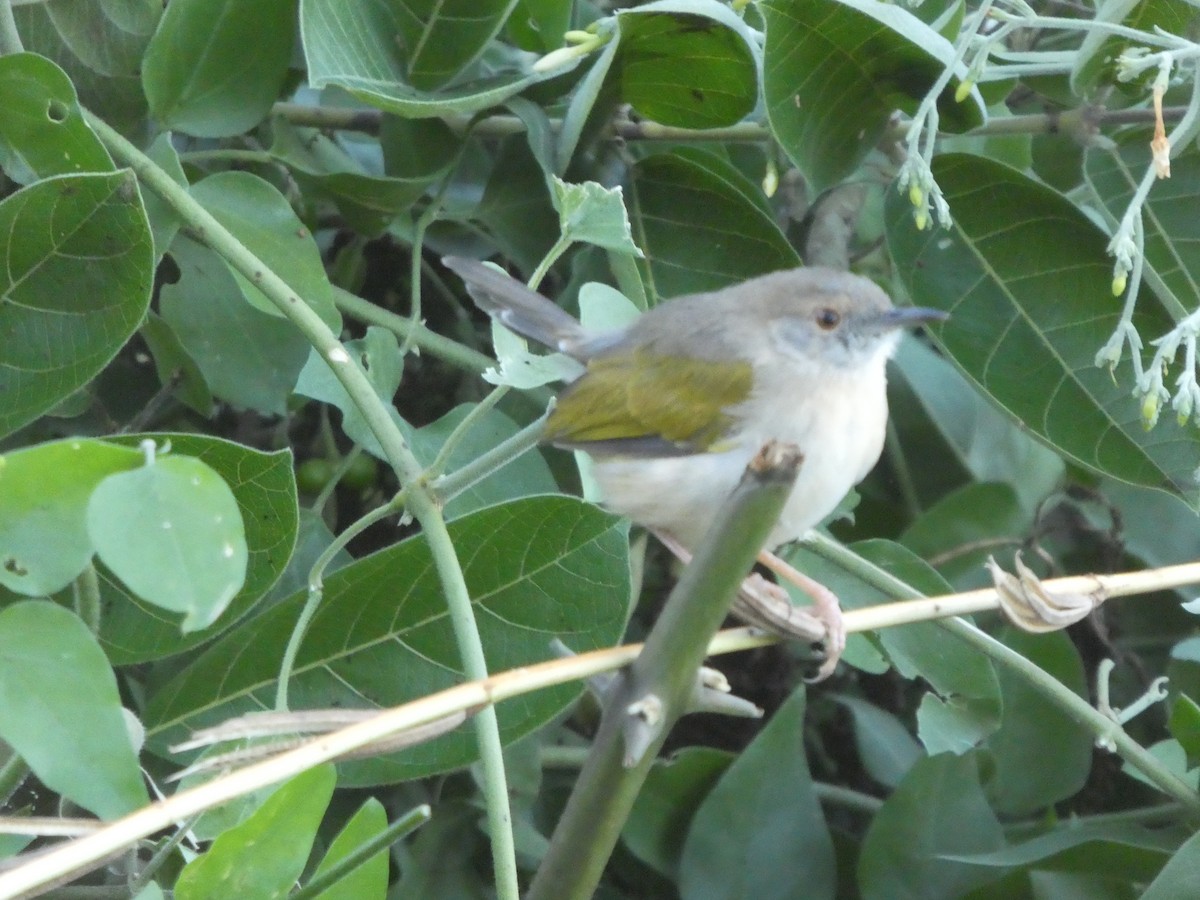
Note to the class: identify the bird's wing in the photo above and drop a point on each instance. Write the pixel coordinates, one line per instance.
(644, 404)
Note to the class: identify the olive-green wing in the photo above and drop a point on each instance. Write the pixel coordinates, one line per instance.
(649, 404)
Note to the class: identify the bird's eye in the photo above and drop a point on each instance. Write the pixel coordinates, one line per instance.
(828, 319)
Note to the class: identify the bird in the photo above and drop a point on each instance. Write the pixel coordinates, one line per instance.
(673, 406)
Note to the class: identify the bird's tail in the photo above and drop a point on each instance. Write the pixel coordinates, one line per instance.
(517, 307)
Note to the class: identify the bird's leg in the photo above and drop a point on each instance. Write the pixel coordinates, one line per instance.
(826, 607)
(766, 605)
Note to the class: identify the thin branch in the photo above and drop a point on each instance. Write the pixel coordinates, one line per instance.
(77, 857)
(420, 500)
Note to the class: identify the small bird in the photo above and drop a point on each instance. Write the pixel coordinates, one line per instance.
(673, 406)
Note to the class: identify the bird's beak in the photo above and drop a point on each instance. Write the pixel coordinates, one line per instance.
(909, 317)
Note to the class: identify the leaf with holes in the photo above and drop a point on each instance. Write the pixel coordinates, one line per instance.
(44, 492)
(42, 131)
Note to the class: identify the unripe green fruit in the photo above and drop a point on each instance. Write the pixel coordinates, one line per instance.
(313, 474)
(362, 474)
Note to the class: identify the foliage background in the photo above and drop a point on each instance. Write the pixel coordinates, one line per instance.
(992, 159)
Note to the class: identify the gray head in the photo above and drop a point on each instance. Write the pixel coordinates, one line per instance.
(807, 314)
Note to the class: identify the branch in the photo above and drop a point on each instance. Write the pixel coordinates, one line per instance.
(421, 501)
(74, 858)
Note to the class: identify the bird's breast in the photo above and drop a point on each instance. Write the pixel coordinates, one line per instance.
(839, 426)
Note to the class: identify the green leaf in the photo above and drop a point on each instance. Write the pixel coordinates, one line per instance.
(674, 789)
(61, 712)
(594, 214)
(437, 39)
(1180, 875)
(590, 104)
(687, 63)
(963, 705)
(539, 25)
(524, 476)
(834, 71)
(679, 203)
(99, 44)
(1094, 65)
(263, 856)
(172, 532)
(536, 569)
(368, 202)
(164, 218)
(985, 516)
(1030, 305)
(261, 218)
(247, 357)
(379, 358)
(387, 55)
(939, 809)
(1172, 234)
(989, 445)
(42, 131)
(370, 880)
(44, 492)
(516, 207)
(214, 67)
(264, 487)
(174, 365)
(886, 748)
(75, 285)
(1116, 849)
(1039, 756)
(761, 837)
(1185, 726)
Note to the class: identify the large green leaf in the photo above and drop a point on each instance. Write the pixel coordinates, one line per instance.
(264, 487)
(42, 131)
(259, 216)
(99, 44)
(172, 532)
(939, 809)
(61, 711)
(1025, 277)
(687, 63)
(680, 202)
(762, 837)
(834, 71)
(399, 57)
(536, 569)
(369, 202)
(74, 285)
(1039, 755)
(1172, 228)
(214, 67)
(248, 357)
(263, 856)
